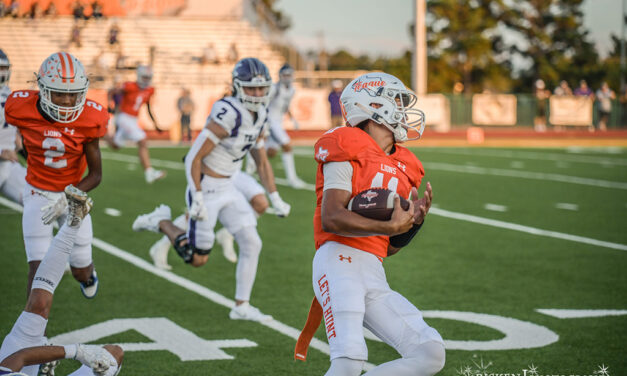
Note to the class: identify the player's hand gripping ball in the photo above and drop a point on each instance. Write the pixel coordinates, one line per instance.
(376, 203)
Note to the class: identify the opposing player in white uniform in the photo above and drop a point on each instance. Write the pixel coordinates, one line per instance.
(280, 98)
(254, 194)
(12, 173)
(234, 127)
(28, 330)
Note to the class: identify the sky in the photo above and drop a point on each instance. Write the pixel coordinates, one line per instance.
(378, 27)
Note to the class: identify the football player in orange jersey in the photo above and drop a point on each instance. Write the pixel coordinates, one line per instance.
(60, 128)
(348, 277)
(134, 95)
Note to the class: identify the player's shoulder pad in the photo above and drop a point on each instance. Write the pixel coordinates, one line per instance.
(409, 163)
(21, 104)
(226, 114)
(341, 144)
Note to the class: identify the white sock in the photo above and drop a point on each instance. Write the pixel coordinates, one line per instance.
(288, 163)
(28, 331)
(181, 222)
(345, 367)
(249, 244)
(52, 267)
(427, 359)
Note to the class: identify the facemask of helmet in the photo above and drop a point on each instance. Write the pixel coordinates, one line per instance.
(5, 68)
(384, 99)
(62, 73)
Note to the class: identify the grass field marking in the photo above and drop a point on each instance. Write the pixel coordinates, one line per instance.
(534, 156)
(581, 313)
(567, 206)
(526, 229)
(495, 207)
(525, 175)
(191, 286)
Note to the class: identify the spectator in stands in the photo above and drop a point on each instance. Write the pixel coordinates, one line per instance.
(14, 9)
(75, 35)
(583, 90)
(3, 9)
(114, 35)
(563, 89)
(542, 95)
(35, 11)
(232, 55)
(209, 55)
(334, 101)
(185, 105)
(96, 10)
(78, 10)
(605, 95)
(51, 11)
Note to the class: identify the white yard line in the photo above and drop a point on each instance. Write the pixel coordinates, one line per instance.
(534, 156)
(190, 285)
(581, 313)
(525, 175)
(526, 229)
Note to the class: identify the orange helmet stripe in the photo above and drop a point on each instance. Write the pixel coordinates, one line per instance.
(63, 66)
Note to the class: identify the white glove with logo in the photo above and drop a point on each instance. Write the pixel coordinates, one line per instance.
(56, 207)
(281, 208)
(198, 212)
(95, 357)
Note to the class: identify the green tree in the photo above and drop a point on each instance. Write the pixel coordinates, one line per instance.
(463, 42)
(551, 39)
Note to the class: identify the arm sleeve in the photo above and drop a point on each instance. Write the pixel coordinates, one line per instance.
(338, 175)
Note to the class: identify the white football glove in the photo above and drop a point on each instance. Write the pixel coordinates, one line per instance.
(95, 357)
(198, 211)
(56, 207)
(281, 208)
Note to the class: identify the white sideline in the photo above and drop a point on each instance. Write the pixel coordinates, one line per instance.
(525, 175)
(526, 229)
(534, 156)
(191, 286)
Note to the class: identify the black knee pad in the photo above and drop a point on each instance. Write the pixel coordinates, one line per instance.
(186, 250)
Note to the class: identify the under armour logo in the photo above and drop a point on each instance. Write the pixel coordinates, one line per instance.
(69, 130)
(342, 258)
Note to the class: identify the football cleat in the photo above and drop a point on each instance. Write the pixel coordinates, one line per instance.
(46, 369)
(225, 239)
(79, 205)
(245, 311)
(159, 254)
(153, 175)
(90, 288)
(150, 221)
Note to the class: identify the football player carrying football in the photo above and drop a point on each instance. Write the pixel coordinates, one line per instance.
(60, 128)
(351, 291)
(20, 350)
(234, 128)
(12, 173)
(134, 95)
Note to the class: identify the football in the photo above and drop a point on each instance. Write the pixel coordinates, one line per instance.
(375, 203)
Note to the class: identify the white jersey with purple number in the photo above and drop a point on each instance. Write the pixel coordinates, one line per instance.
(243, 129)
(280, 99)
(7, 131)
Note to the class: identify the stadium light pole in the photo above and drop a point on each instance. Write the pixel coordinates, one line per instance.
(419, 63)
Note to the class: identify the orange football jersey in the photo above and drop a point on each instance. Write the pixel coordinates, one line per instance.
(133, 97)
(399, 172)
(55, 150)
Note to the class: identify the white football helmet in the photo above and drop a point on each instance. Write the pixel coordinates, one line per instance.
(384, 99)
(251, 72)
(144, 76)
(5, 68)
(61, 72)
